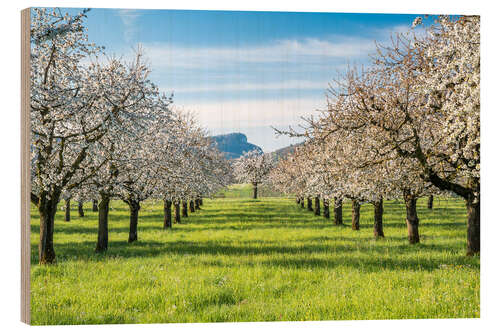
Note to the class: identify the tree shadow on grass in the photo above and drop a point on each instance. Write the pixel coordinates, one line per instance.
(294, 254)
(298, 256)
(369, 264)
(196, 225)
(209, 223)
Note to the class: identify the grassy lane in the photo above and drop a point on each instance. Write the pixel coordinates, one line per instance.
(240, 259)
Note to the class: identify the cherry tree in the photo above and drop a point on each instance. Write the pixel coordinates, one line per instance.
(452, 82)
(190, 167)
(421, 102)
(414, 116)
(253, 167)
(65, 118)
(124, 150)
(372, 174)
(138, 177)
(342, 164)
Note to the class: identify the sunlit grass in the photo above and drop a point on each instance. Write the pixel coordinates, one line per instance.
(240, 259)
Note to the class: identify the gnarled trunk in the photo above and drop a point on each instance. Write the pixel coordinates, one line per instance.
(67, 210)
(297, 200)
(411, 217)
(94, 206)
(473, 226)
(302, 202)
(201, 201)
(317, 209)
(355, 214)
(177, 210)
(102, 233)
(191, 206)
(337, 212)
(254, 190)
(81, 213)
(430, 202)
(184, 209)
(326, 208)
(309, 204)
(378, 213)
(167, 214)
(47, 209)
(197, 204)
(134, 207)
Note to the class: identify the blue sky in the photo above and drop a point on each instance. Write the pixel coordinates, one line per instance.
(245, 71)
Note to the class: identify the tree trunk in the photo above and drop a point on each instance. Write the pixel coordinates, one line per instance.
(378, 212)
(191, 206)
(102, 233)
(302, 202)
(297, 200)
(201, 201)
(47, 209)
(430, 201)
(80, 209)
(167, 214)
(309, 204)
(197, 204)
(255, 190)
(134, 207)
(473, 226)
(177, 210)
(411, 217)
(355, 214)
(337, 212)
(94, 206)
(326, 208)
(317, 208)
(67, 209)
(184, 209)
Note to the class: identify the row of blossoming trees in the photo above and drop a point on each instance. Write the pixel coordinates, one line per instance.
(100, 130)
(405, 127)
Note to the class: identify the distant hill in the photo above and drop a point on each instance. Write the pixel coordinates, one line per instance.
(234, 145)
(283, 152)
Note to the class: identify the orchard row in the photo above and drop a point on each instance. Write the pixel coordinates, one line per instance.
(406, 126)
(100, 130)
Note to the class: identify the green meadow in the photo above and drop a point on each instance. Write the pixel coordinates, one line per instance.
(239, 259)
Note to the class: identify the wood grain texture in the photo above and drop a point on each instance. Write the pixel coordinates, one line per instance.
(25, 166)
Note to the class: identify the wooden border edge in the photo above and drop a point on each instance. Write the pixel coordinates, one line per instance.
(25, 166)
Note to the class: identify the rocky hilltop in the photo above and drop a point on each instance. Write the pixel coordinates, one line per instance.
(234, 145)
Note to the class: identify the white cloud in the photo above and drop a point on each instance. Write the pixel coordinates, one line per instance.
(306, 51)
(248, 86)
(129, 19)
(237, 114)
(279, 67)
(255, 118)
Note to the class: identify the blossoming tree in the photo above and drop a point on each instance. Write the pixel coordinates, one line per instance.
(253, 167)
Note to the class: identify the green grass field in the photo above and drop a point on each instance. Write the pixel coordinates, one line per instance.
(240, 259)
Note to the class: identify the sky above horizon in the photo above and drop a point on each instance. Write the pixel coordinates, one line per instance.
(245, 71)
